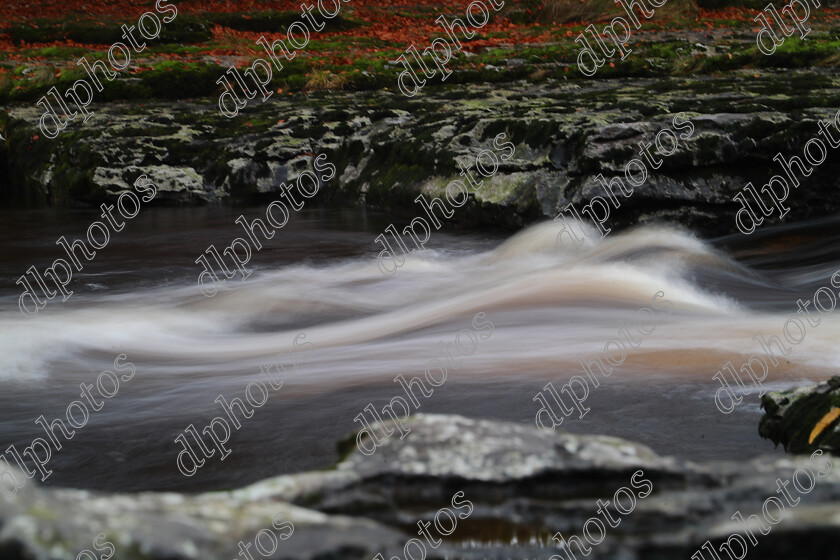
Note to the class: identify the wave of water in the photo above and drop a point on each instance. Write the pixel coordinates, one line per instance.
(547, 304)
(361, 328)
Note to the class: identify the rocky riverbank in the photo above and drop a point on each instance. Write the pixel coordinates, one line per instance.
(524, 486)
(387, 148)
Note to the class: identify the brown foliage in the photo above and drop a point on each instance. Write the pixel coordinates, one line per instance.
(565, 11)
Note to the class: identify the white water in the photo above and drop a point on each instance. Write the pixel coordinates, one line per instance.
(547, 305)
(361, 328)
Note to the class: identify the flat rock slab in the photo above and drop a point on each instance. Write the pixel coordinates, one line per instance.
(524, 486)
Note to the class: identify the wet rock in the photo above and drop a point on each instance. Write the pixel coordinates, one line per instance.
(524, 485)
(180, 184)
(388, 148)
(794, 416)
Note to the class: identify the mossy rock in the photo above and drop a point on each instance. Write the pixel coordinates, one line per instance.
(791, 417)
(179, 80)
(183, 29)
(273, 21)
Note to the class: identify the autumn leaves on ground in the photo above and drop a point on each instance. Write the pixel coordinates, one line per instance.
(41, 40)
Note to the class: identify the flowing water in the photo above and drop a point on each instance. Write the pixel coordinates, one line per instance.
(318, 277)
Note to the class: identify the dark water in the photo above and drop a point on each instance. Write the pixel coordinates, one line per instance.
(318, 277)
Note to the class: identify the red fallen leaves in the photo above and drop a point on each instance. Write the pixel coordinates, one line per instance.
(740, 14)
(385, 21)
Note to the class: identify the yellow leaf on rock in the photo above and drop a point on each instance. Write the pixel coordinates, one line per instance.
(824, 423)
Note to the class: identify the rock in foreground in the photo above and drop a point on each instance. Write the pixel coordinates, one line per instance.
(524, 486)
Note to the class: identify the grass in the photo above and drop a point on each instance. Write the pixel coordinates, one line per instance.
(324, 80)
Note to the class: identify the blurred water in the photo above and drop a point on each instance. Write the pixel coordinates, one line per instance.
(319, 276)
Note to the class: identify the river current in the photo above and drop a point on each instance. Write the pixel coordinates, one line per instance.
(318, 277)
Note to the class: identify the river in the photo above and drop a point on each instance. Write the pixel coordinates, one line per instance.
(319, 277)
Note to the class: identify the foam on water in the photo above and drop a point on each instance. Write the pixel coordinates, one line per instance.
(362, 323)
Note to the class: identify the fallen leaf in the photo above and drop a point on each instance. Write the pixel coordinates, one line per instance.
(824, 423)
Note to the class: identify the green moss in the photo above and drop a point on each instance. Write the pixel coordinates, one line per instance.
(169, 48)
(664, 49)
(798, 53)
(345, 447)
(166, 80)
(64, 53)
(70, 160)
(74, 174)
(396, 185)
(179, 80)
